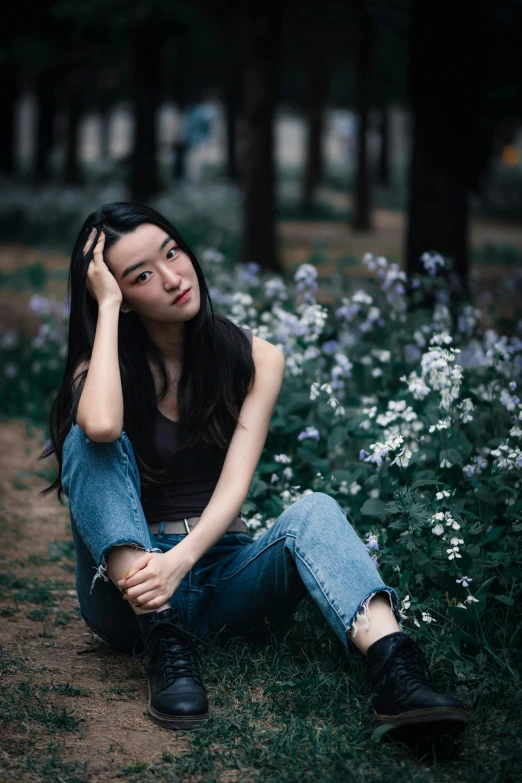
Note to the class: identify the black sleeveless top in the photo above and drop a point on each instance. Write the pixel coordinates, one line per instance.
(194, 473)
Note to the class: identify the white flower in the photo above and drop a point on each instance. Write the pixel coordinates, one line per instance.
(438, 530)
(403, 458)
(406, 602)
(443, 494)
(416, 386)
(428, 618)
(453, 553)
(354, 488)
(443, 424)
(464, 581)
(471, 599)
(445, 463)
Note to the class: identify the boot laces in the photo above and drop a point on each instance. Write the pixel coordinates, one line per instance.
(177, 648)
(408, 664)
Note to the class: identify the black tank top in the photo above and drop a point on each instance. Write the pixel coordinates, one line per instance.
(194, 473)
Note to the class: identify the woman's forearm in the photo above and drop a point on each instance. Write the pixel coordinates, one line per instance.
(100, 410)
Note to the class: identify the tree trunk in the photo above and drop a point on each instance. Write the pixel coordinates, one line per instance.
(260, 98)
(315, 121)
(9, 79)
(105, 132)
(72, 169)
(46, 106)
(147, 63)
(364, 67)
(444, 94)
(232, 101)
(384, 150)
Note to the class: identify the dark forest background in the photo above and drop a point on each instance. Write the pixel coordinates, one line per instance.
(453, 69)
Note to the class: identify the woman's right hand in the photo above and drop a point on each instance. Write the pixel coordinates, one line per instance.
(101, 284)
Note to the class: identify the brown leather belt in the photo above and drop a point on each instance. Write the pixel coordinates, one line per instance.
(184, 526)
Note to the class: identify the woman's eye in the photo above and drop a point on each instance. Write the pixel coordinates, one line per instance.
(172, 250)
(138, 278)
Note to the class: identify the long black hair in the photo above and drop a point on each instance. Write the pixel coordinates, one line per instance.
(217, 364)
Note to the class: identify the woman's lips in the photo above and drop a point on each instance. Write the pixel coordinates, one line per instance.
(183, 298)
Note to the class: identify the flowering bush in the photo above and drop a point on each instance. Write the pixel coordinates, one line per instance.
(408, 417)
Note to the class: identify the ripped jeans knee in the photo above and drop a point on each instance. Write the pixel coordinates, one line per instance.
(364, 613)
(102, 568)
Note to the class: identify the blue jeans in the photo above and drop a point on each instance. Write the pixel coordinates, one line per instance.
(240, 583)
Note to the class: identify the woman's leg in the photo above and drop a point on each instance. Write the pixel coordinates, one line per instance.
(109, 529)
(101, 481)
(311, 549)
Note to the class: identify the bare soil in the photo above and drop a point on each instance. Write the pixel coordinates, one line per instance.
(114, 731)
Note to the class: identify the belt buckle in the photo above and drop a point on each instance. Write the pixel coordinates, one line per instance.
(187, 527)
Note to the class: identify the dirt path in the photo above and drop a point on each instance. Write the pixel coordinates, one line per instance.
(51, 660)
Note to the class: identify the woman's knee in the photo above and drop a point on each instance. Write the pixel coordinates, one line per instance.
(317, 509)
(83, 456)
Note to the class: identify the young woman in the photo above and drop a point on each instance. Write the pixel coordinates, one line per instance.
(158, 429)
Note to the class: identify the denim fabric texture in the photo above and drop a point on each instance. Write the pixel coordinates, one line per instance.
(237, 585)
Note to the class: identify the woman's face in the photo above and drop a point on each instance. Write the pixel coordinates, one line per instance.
(152, 272)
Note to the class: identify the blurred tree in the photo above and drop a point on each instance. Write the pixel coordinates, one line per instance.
(364, 95)
(72, 173)
(146, 58)
(445, 102)
(10, 78)
(457, 101)
(47, 84)
(318, 78)
(384, 148)
(263, 27)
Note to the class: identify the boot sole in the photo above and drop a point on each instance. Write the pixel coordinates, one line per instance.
(434, 722)
(173, 721)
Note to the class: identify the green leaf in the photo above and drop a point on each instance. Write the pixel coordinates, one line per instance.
(454, 456)
(455, 643)
(466, 637)
(505, 599)
(425, 483)
(485, 585)
(491, 534)
(337, 437)
(404, 579)
(465, 445)
(463, 616)
(373, 507)
(380, 730)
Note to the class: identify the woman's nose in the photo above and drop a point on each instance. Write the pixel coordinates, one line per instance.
(171, 279)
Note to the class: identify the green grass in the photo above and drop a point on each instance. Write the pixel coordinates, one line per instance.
(289, 707)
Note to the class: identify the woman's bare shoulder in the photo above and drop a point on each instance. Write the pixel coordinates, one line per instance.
(263, 350)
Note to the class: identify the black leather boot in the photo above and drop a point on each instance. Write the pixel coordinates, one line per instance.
(177, 697)
(403, 692)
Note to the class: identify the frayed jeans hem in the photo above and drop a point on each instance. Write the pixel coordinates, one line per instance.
(365, 609)
(101, 569)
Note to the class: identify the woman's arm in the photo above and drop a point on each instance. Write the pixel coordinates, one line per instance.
(242, 457)
(100, 410)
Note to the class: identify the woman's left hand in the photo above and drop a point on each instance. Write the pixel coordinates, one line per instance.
(153, 579)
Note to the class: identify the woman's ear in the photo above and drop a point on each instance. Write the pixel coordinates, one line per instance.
(125, 308)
